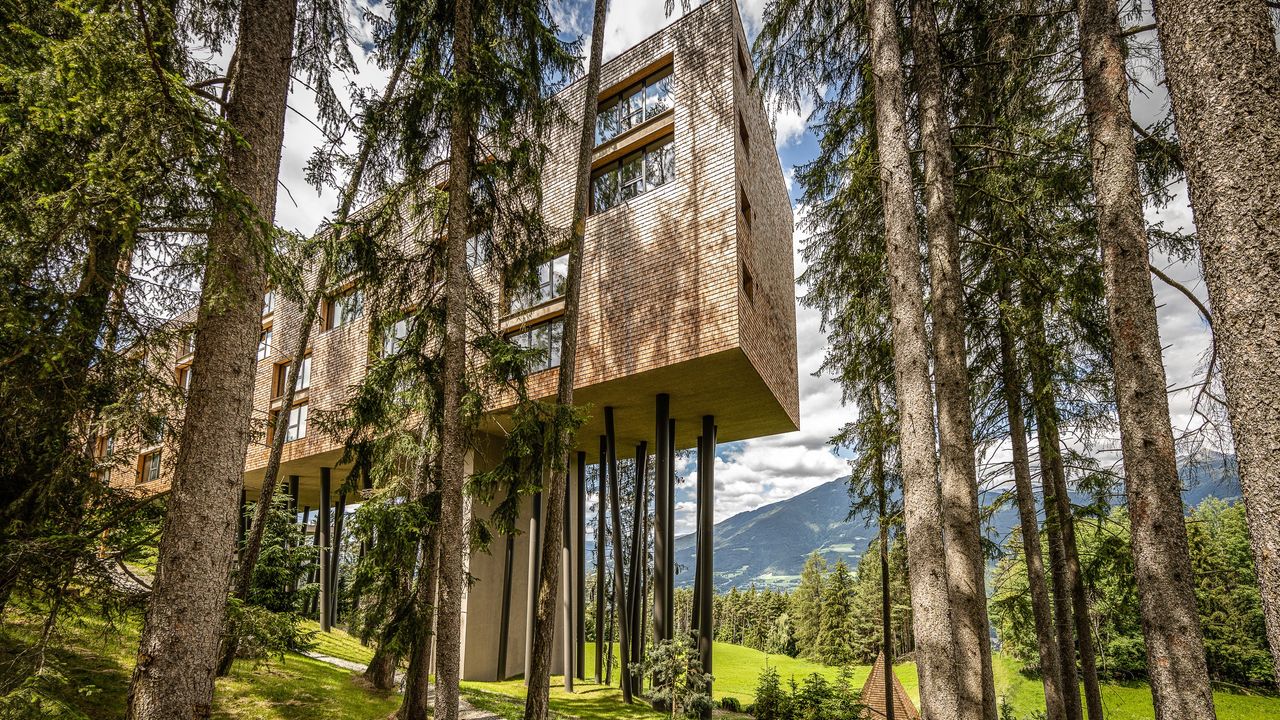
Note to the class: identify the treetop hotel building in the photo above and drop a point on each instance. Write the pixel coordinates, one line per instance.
(686, 330)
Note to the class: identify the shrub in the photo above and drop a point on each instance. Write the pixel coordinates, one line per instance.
(730, 703)
(262, 634)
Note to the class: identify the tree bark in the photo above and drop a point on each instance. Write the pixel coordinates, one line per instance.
(417, 680)
(965, 562)
(178, 650)
(1223, 74)
(1050, 658)
(311, 312)
(544, 623)
(1171, 626)
(453, 537)
(926, 556)
(1062, 610)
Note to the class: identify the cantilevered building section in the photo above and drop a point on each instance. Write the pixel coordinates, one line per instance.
(686, 330)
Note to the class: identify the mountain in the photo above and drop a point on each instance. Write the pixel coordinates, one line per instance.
(768, 546)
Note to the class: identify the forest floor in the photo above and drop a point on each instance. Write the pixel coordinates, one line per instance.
(88, 665)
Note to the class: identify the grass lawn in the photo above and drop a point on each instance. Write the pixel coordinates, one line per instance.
(337, 643)
(1123, 701)
(97, 658)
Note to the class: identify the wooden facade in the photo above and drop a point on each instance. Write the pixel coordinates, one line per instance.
(688, 290)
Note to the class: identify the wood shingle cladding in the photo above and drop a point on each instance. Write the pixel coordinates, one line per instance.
(679, 294)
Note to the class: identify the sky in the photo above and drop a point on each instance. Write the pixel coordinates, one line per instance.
(756, 472)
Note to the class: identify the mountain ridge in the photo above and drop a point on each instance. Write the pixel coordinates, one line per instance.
(767, 546)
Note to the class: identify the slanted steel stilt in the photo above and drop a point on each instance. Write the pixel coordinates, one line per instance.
(580, 568)
(323, 520)
(601, 499)
(706, 523)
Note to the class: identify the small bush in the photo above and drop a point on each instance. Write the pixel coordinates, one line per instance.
(262, 634)
(730, 703)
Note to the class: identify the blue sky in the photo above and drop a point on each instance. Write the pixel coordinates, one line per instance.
(756, 472)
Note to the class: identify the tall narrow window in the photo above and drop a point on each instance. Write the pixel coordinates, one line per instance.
(744, 136)
(295, 423)
(478, 249)
(152, 430)
(304, 373)
(264, 344)
(393, 337)
(105, 455)
(748, 284)
(269, 302)
(184, 378)
(344, 308)
(746, 206)
(149, 467)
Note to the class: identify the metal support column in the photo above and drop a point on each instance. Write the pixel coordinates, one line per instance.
(504, 622)
(335, 555)
(662, 497)
(580, 567)
(706, 523)
(535, 564)
(567, 642)
(601, 498)
(323, 548)
(619, 581)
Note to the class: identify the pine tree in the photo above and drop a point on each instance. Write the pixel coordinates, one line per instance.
(835, 641)
(179, 644)
(1179, 680)
(806, 604)
(1229, 128)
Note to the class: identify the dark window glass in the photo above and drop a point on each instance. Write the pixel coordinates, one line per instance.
(544, 337)
(345, 308)
(631, 177)
(634, 106)
(634, 175)
(549, 278)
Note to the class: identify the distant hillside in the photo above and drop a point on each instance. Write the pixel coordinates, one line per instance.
(767, 546)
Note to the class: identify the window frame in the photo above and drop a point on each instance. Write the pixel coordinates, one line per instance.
(149, 466)
(660, 150)
(633, 103)
(264, 344)
(551, 286)
(339, 300)
(554, 334)
(295, 422)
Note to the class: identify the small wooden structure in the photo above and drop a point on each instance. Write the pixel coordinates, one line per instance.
(873, 696)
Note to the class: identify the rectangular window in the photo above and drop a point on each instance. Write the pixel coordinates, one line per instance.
(548, 284)
(393, 337)
(153, 430)
(544, 337)
(748, 284)
(278, 385)
(344, 308)
(105, 456)
(478, 249)
(269, 303)
(296, 428)
(184, 378)
(264, 344)
(744, 136)
(149, 467)
(634, 175)
(746, 206)
(188, 343)
(634, 106)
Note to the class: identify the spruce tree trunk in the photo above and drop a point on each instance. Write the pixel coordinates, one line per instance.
(1062, 610)
(1223, 74)
(452, 535)
(1054, 478)
(965, 563)
(178, 650)
(1171, 626)
(1046, 641)
(311, 313)
(544, 622)
(930, 599)
(417, 680)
